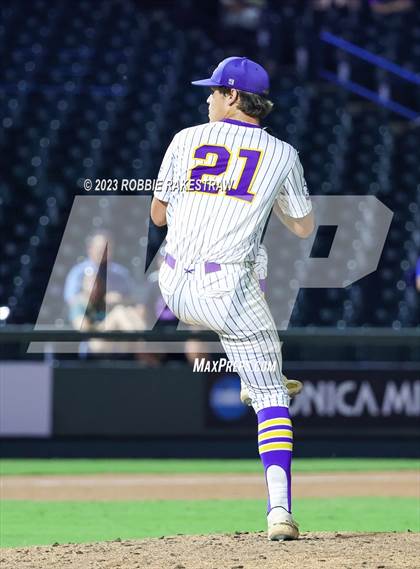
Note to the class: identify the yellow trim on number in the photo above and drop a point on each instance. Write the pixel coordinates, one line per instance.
(274, 423)
(245, 162)
(275, 446)
(275, 433)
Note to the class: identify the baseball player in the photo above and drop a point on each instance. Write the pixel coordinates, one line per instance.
(216, 187)
(293, 386)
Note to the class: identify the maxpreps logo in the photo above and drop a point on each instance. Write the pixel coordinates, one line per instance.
(355, 399)
(201, 365)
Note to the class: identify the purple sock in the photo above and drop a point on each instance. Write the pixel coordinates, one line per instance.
(275, 445)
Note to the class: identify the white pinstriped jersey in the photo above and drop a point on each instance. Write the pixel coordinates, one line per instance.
(220, 181)
(261, 262)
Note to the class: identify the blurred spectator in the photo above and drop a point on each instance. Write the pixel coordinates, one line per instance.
(243, 14)
(418, 275)
(241, 23)
(385, 7)
(99, 252)
(101, 296)
(92, 309)
(324, 5)
(88, 308)
(195, 349)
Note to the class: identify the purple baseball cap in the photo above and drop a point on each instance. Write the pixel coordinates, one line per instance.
(238, 73)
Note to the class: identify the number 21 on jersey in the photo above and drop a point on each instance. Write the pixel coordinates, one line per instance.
(215, 161)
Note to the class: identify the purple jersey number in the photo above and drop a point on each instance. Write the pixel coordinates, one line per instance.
(220, 159)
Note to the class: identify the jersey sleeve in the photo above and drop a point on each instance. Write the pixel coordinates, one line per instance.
(165, 181)
(293, 197)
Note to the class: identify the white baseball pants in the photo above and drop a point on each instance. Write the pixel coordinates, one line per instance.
(228, 300)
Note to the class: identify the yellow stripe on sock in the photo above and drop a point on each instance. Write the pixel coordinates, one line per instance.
(274, 423)
(275, 446)
(275, 433)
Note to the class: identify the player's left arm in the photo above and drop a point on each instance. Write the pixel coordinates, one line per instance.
(158, 212)
(293, 205)
(164, 186)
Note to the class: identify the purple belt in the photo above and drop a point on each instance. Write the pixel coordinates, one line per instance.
(209, 267)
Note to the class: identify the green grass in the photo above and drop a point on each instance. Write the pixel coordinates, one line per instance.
(32, 523)
(97, 466)
(24, 523)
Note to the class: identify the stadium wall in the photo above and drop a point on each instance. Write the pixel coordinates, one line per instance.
(117, 409)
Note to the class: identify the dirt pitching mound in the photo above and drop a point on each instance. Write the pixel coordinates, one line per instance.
(238, 551)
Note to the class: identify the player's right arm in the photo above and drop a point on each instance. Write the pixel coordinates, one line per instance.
(293, 205)
(164, 187)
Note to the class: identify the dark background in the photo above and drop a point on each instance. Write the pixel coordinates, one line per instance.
(97, 89)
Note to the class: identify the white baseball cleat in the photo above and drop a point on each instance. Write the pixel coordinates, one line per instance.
(293, 386)
(245, 398)
(281, 525)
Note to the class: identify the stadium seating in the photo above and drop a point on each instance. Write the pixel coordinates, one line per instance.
(97, 90)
